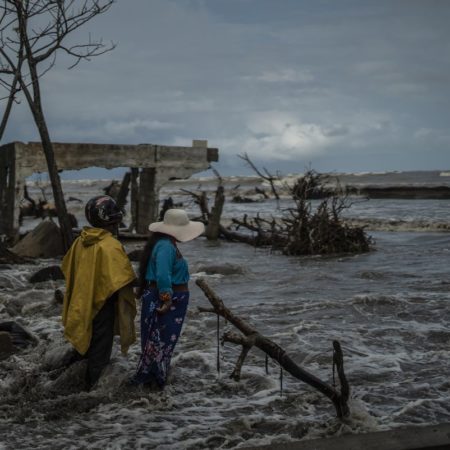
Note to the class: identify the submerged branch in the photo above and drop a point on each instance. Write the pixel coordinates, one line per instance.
(251, 337)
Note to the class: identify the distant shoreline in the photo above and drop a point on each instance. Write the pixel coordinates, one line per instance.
(377, 185)
(401, 192)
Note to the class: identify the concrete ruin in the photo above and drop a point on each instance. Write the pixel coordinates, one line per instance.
(155, 165)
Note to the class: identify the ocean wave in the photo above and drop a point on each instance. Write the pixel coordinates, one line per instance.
(399, 225)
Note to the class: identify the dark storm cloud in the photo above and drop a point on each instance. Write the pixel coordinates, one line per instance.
(348, 85)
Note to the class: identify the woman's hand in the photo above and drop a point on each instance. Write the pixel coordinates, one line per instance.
(166, 298)
(165, 307)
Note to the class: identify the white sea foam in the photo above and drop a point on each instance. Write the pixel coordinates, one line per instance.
(388, 308)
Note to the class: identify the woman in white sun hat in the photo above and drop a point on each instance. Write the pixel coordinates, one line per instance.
(163, 288)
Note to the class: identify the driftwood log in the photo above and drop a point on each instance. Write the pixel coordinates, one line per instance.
(251, 338)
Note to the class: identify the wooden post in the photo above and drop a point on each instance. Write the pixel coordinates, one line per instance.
(134, 201)
(213, 228)
(123, 191)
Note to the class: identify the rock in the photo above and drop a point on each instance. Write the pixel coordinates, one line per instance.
(7, 257)
(59, 356)
(6, 345)
(59, 296)
(19, 336)
(222, 269)
(47, 273)
(44, 241)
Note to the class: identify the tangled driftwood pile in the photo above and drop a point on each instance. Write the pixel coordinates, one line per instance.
(299, 229)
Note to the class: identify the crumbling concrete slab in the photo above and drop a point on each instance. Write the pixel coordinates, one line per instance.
(158, 164)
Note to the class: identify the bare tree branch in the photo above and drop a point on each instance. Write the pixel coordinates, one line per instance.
(265, 176)
(14, 89)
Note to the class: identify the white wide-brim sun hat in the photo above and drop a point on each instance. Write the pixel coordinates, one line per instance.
(177, 224)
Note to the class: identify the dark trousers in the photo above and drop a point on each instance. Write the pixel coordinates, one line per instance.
(99, 352)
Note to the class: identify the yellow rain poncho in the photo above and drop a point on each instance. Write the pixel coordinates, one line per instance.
(95, 267)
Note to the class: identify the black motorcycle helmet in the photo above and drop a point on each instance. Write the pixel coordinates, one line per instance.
(102, 211)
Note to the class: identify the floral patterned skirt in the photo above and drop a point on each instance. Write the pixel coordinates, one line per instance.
(159, 335)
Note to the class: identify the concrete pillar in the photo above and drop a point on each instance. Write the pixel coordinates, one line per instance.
(134, 198)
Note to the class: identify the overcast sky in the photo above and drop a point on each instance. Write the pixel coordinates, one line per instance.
(343, 85)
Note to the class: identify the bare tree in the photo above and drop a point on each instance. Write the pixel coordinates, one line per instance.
(32, 32)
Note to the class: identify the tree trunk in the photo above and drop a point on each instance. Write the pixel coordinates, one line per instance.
(35, 104)
(58, 196)
(7, 111)
(13, 91)
(47, 146)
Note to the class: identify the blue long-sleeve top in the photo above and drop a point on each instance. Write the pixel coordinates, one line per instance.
(166, 266)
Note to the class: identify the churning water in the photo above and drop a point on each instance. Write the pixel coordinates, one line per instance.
(388, 308)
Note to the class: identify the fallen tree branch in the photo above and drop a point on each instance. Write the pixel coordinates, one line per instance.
(236, 237)
(247, 342)
(252, 338)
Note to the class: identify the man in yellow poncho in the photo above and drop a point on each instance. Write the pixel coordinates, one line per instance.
(99, 300)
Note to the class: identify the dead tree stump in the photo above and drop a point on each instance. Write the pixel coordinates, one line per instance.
(212, 231)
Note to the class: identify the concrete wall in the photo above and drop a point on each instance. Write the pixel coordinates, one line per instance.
(159, 164)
